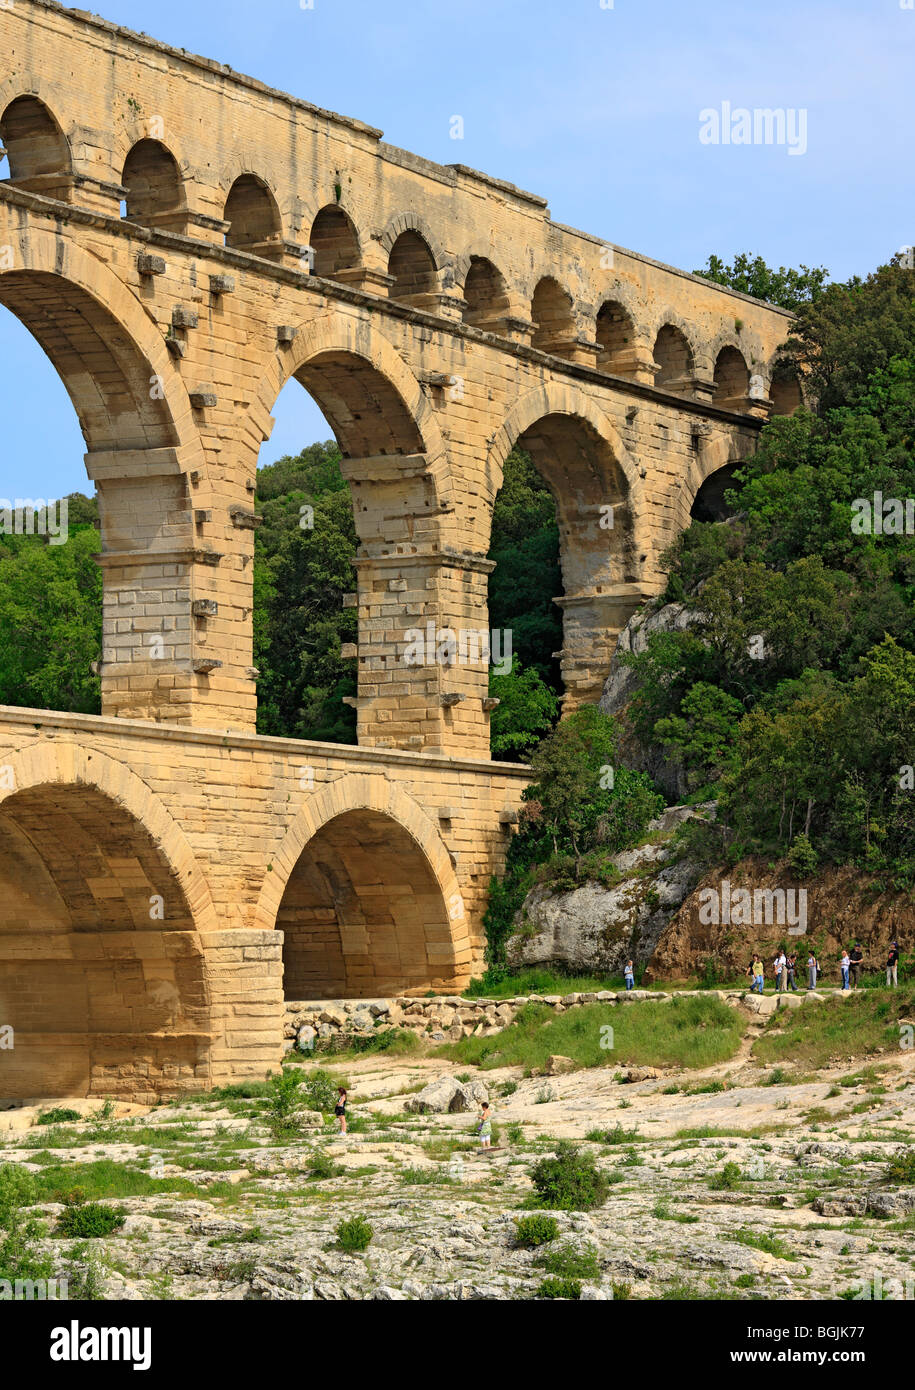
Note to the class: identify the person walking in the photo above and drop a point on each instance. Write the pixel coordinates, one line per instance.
(845, 966)
(856, 958)
(340, 1109)
(892, 966)
(629, 975)
(813, 968)
(758, 974)
(790, 965)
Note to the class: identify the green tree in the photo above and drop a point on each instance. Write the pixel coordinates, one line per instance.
(51, 621)
(751, 275)
(526, 711)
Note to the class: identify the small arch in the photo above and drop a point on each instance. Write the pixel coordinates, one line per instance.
(37, 149)
(732, 379)
(786, 395)
(615, 333)
(254, 218)
(554, 322)
(334, 242)
(486, 299)
(674, 358)
(412, 266)
(155, 190)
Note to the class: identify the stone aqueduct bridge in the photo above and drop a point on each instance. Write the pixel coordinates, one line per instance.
(182, 240)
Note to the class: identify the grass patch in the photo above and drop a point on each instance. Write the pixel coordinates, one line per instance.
(689, 1031)
(60, 1182)
(761, 1240)
(866, 1024)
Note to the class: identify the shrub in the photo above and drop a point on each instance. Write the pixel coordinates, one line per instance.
(616, 1135)
(321, 1165)
(321, 1090)
(354, 1235)
(59, 1115)
(901, 1167)
(89, 1219)
(570, 1181)
(553, 1287)
(531, 1231)
(727, 1179)
(283, 1100)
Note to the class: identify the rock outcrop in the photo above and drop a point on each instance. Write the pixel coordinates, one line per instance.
(598, 928)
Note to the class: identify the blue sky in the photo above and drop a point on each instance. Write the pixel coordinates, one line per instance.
(596, 109)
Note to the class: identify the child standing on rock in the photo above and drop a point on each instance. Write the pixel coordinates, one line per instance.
(484, 1127)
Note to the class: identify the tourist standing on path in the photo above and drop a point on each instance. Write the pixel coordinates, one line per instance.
(340, 1109)
(484, 1128)
(759, 978)
(813, 967)
(856, 958)
(629, 975)
(781, 970)
(845, 966)
(892, 965)
(790, 968)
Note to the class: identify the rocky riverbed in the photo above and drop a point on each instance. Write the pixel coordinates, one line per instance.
(739, 1181)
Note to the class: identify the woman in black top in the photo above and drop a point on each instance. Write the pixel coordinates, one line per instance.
(340, 1109)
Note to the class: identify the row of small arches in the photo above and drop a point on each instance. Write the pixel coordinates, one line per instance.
(39, 158)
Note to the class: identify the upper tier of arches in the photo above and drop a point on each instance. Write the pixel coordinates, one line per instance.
(406, 262)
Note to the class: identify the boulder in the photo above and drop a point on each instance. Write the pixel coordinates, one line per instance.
(634, 1074)
(557, 1065)
(305, 1038)
(445, 1096)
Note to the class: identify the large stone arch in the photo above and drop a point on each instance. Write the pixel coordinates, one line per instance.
(555, 398)
(721, 449)
(143, 453)
(339, 333)
(71, 765)
(412, 882)
(103, 975)
(596, 487)
(133, 338)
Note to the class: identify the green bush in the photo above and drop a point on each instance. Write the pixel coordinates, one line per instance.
(531, 1231)
(58, 1116)
(321, 1090)
(901, 1167)
(727, 1179)
(89, 1219)
(570, 1181)
(553, 1287)
(354, 1234)
(283, 1101)
(321, 1165)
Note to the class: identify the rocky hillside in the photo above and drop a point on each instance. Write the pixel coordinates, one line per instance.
(594, 928)
(841, 905)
